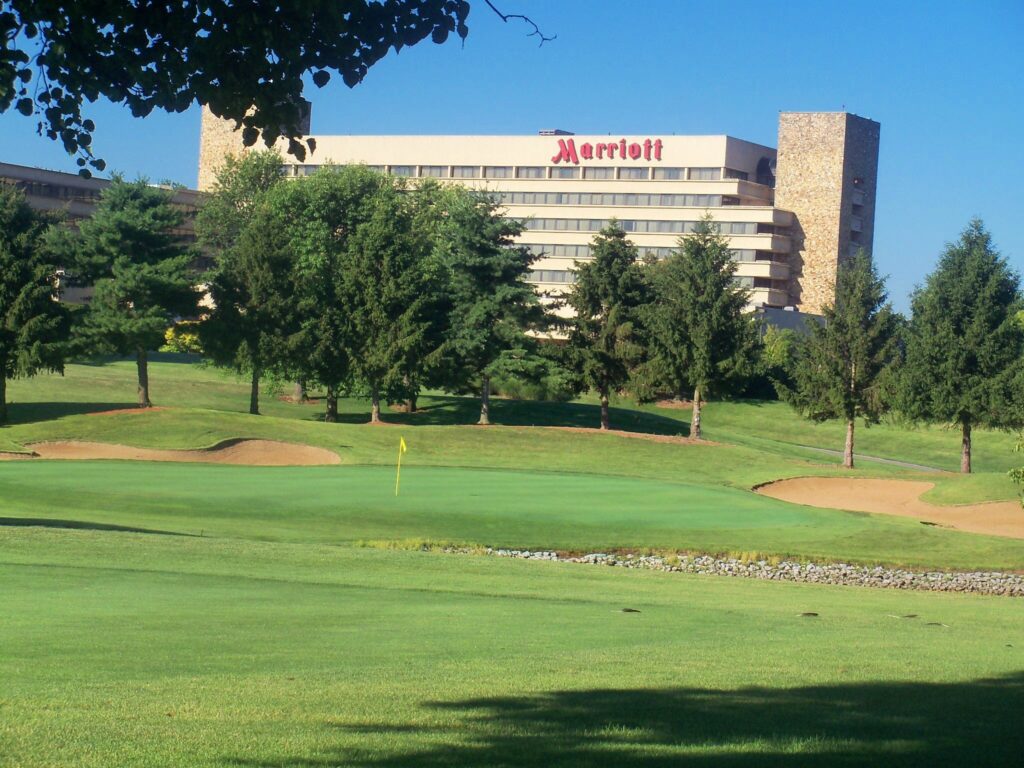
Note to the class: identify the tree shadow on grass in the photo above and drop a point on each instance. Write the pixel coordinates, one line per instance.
(976, 723)
(81, 525)
(451, 410)
(30, 413)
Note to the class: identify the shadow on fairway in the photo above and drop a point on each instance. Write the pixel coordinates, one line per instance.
(83, 525)
(976, 723)
(447, 411)
(28, 413)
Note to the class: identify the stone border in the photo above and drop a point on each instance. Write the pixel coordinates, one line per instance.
(838, 574)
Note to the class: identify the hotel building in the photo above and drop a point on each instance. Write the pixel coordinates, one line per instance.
(790, 214)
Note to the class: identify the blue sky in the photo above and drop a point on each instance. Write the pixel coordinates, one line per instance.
(945, 80)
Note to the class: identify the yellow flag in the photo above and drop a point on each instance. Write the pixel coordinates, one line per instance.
(402, 448)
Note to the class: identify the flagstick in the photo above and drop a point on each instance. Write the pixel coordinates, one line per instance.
(398, 474)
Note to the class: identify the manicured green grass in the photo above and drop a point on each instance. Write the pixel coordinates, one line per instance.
(129, 649)
(567, 511)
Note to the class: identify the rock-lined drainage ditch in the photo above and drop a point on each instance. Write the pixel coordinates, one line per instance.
(977, 582)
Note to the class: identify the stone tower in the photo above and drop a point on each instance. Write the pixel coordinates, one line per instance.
(218, 139)
(826, 174)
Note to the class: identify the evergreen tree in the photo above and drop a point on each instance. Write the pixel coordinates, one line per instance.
(842, 366)
(33, 325)
(387, 287)
(965, 347)
(604, 340)
(141, 270)
(251, 286)
(491, 302)
(699, 333)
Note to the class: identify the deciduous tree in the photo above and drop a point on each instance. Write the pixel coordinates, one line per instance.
(842, 366)
(965, 348)
(604, 340)
(141, 270)
(252, 284)
(33, 325)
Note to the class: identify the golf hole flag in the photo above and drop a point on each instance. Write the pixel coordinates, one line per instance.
(402, 448)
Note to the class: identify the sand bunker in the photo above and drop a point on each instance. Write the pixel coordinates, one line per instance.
(899, 497)
(257, 453)
(119, 411)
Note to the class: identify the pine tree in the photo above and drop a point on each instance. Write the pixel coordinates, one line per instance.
(965, 347)
(33, 325)
(386, 288)
(700, 335)
(252, 284)
(604, 341)
(142, 273)
(492, 305)
(842, 367)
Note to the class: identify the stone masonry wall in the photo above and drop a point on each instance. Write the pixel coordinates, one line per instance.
(217, 139)
(819, 156)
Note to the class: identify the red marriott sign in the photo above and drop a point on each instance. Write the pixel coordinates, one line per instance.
(648, 150)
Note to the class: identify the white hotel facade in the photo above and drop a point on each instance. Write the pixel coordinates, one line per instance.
(790, 214)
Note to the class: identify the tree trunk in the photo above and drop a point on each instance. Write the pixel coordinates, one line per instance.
(332, 406)
(3, 399)
(680, 395)
(695, 432)
(254, 392)
(848, 451)
(142, 364)
(410, 404)
(375, 406)
(299, 395)
(604, 408)
(485, 401)
(965, 447)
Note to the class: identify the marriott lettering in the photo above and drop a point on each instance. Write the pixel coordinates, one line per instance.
(648, 150)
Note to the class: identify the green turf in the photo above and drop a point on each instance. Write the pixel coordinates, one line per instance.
(127, 649)
(569, 511)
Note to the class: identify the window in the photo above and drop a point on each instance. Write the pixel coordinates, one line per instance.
(402, 170)
(498, 171)
(598, 173)
(530, 172)
(705, 174)
(744, 255)
(551, 276)
(466, 172)
(669, 173)
(737, 228)
(732, 173)
(634, 173)
(436, 171)
(565, 173)
(306, 170)
(377, 168)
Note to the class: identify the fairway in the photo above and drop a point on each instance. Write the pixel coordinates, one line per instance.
(217, 616)
(167, 650)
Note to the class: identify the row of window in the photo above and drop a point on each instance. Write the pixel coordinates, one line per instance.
(540, 172)
(55, 191)
(567, 277)
(641, 225)
(615, 199)
(563, 251)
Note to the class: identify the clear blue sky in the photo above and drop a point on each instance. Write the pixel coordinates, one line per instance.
(945, 80)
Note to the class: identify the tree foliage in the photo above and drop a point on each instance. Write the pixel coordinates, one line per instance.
(251, 286)
(33, 325)
(700, 336)
(605, 342)
(965, 347)
(841, 368)
(490, 304)
(141, 271)
(246, 61)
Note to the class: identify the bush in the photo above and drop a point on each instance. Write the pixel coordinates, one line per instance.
(183, 337)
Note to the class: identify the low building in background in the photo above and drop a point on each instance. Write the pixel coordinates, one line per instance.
(790, 214)
(75, 198)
